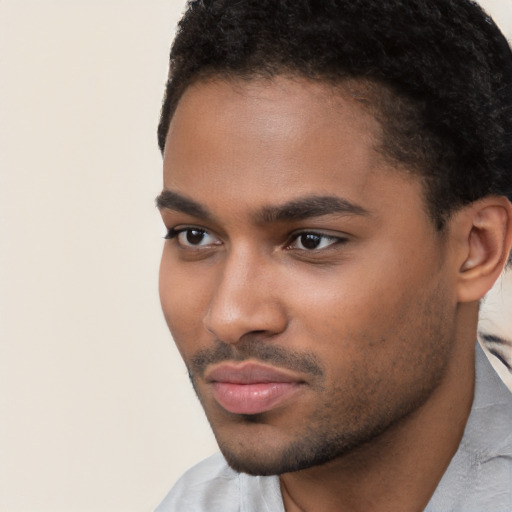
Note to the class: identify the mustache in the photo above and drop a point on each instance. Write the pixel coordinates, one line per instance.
(250, 348)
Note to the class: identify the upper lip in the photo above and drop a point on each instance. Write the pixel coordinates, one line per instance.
(249, 373)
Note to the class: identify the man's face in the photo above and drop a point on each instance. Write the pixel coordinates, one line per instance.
(304, 285)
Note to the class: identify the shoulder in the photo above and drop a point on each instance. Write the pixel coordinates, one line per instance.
(479, 476)
(209, 486)
(212, 486)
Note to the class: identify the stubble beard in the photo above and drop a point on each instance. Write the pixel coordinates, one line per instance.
(322, 441)
(366, 409)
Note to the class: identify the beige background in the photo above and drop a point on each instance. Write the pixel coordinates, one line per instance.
(96, 412)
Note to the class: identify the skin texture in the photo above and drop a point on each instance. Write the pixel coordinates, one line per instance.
(368, 323)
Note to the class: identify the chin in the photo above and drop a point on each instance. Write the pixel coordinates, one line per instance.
(254, 447)
(271, 454)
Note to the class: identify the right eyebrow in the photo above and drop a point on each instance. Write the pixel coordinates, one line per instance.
(169, 200)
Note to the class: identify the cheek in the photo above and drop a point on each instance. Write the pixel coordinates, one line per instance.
(184, 296)
(364, 305)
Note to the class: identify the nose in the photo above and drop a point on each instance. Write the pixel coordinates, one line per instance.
(246, 300)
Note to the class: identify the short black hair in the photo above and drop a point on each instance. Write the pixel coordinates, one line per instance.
(440, 70)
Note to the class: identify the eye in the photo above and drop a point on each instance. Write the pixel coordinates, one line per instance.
(313, 241)
(192, 237)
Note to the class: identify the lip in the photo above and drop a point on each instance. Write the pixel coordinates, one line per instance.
(251, 388)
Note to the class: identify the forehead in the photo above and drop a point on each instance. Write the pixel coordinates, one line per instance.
(261, 141)
(270, 104)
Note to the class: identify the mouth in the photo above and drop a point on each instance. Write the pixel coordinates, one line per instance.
(251, 388)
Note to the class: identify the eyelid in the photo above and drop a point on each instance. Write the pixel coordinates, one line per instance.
(333, 239)
(175, 232)
(336, 239)
(172, 233)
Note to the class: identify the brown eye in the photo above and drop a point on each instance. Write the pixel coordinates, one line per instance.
(314, 241)
(310, 241)
(194, 236)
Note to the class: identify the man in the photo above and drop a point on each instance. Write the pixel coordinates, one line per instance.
(335, 193)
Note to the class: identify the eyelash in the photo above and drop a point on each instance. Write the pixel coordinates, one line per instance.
(174, 233)
(334, 240)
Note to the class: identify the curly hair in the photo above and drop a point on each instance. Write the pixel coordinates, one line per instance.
(439, 73)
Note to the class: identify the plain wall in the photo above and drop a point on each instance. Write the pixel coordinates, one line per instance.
(96, 411)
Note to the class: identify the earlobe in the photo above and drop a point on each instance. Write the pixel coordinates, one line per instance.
(487, 238)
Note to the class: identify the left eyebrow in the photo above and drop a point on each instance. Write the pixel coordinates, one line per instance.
(307, 207)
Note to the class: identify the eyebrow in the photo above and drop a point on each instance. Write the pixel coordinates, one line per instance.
(296, 209)
(309, 206)
(170, 200)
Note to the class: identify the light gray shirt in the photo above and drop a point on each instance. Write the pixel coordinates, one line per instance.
(478, 479)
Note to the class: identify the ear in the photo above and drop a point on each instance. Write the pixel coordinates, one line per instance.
(484, 233)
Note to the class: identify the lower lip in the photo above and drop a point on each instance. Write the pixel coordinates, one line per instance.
(253, 398)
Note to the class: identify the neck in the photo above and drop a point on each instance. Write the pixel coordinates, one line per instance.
(399, 470)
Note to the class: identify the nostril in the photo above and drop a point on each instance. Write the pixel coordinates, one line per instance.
(263, 321)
